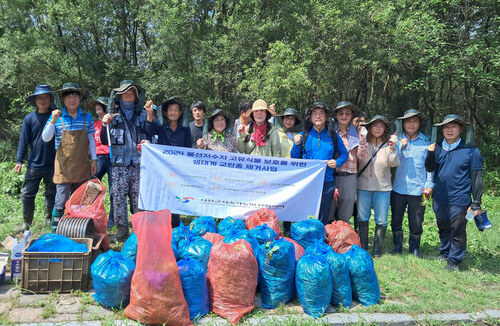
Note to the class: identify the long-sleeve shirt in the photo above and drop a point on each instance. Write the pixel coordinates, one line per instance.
(377, 175)
(70, 123)
(181, 136)
(100, 148)
(411, 177)
(456, 174)
(42, 154)
(319, 146)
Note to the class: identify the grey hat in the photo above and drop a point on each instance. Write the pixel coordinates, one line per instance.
(291, 112)
(380, 118)
(451, 118)
(346, 104)
(39, 90)
(125, 85)
(411, 113)
(100, 100)
(73, 87)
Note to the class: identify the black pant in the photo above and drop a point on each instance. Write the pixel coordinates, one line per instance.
(32, 181)
(415, 213)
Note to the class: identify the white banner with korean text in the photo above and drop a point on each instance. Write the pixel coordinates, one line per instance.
(219, 184)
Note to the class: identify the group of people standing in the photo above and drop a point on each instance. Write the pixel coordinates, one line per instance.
(366, 167)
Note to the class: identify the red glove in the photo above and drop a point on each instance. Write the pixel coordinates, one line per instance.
(139, 146)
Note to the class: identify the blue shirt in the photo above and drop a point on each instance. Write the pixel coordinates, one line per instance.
(181, 136)
(320, 147)
(42, 154)
(411, 177)
(71, 123)
(452, 176)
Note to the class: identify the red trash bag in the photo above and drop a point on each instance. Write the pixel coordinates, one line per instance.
(261, 217)
(213, 237)
(341, 236)
(299, 250)
(156, 295)
(88, 201)
(232, 279)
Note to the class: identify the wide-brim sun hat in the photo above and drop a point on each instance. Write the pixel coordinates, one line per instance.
(172, 100)
(347, 104)
(100, 100)
(452, 118)
(125, 85)
(293, 113)
(259, 105)
(39, 90)
(67, 87)
(215, 114)
(411, 113)
(376, 118)
(315, 106)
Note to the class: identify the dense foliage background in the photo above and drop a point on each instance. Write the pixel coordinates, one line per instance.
(386, 56)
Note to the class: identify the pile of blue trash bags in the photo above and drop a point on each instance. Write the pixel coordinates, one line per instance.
(319, 278)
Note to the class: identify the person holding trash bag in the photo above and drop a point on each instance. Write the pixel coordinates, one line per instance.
(457, 169)
(41, 157)
(320, 142)
(171, 132)
(260, 137)
(218, 137)
(103, 161)
(125, 123)
(376, 154)
(74, 141)
(346, 179)
(411, 182)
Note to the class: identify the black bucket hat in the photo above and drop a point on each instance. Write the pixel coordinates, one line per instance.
(67, 87)
(291, 112)
(317, 105)
(39, 90)
(225, 114)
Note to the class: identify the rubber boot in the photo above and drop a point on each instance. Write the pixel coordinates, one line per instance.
(398, 242)
(378, 240)
(28, 219)
(414, 243)
(363, 234)
(56, 216)
(48, 216)
(287, 226)
(120, 236)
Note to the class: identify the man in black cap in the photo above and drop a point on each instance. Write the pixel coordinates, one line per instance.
(41, 158)
(127, 130)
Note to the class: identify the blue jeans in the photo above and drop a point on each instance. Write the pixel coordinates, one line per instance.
(103, 167)
(379, 200)
(452, 226)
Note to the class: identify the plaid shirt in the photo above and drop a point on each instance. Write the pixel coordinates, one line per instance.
(351, 165)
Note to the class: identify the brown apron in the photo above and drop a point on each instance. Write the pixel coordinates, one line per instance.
(72, 163)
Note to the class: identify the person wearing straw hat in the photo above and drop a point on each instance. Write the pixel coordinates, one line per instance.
(260, 137)
(376, 155)
(103, 161)
(411, 183)
(346, 175)
(457, 175)
(217, 138)
(320, 142)
(74, 141)
(41, 157)
(288, 126)
(126, 123)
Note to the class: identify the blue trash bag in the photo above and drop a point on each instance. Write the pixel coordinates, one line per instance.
(195, 247)
(112, 274)
(175, 250)
(129, 249)
(202, 225)
(230, 223)
(194, 286)
(236, 234)
(51, 242)
(313, 280)
(365, 287)
(307, 232)
(277, 273)
(263, 234)
(179, 233)
(342, 291)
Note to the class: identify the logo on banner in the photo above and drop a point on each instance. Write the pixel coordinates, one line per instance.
(185, 199)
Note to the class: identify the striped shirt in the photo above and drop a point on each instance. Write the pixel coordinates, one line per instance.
(71, 123)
